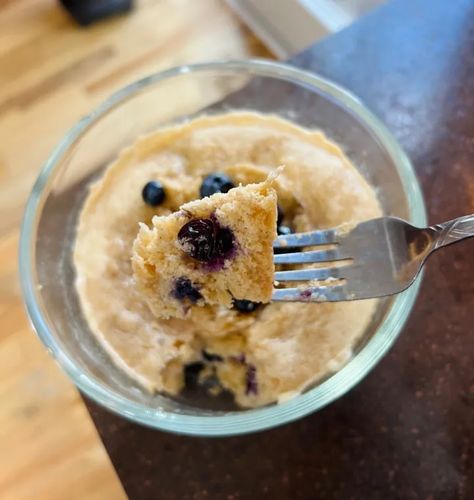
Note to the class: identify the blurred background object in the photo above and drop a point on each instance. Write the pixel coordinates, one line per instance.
(289, 26)
(86, 12)
(51, 73)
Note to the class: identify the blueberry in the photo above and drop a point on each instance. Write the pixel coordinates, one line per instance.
(246, 306)
(153, 193)
(224, 243)
(251, 380)
(197, 238)
(215, 183)
(191, 374)
(280, 215)
(207, 241)
(306, 294)
(210, 356)
(185, 290)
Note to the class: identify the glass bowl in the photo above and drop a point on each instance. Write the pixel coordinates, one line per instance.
(48, 230)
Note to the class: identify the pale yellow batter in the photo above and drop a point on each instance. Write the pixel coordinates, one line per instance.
(263, 356)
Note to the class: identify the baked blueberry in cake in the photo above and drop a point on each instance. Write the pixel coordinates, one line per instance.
(213, 251)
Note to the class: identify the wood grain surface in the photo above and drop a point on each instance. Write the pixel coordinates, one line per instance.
(51, 73)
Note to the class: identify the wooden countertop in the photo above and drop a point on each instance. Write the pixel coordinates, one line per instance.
(51, 73)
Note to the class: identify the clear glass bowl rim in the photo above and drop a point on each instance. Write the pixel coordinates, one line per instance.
(253, 419)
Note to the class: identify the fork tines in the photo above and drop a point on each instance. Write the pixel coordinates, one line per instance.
(306, 239)
(321, 293)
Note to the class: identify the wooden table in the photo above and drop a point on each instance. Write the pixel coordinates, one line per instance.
(407, 431)
(51, 73)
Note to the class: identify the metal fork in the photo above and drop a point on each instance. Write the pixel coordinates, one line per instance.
(376, 258)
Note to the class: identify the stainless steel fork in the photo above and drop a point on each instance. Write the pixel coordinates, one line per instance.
(376, 258)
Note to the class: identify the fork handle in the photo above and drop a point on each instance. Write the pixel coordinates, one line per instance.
(453, 231)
